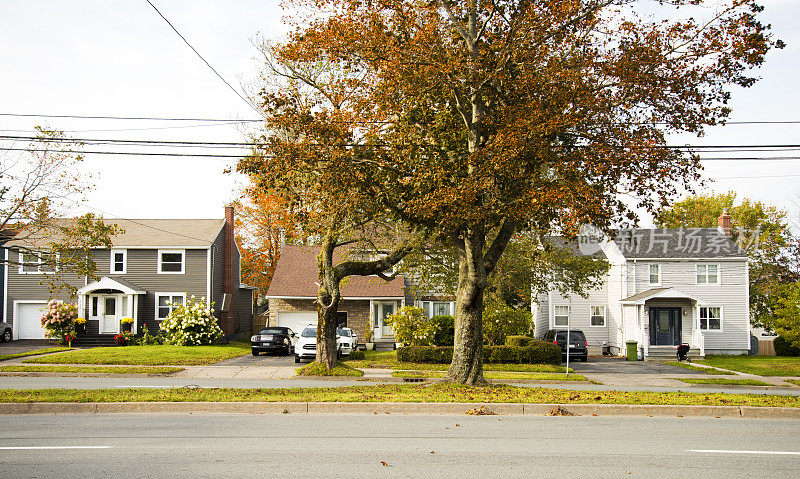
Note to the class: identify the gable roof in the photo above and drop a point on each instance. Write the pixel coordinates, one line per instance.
(296, 276)
(660, 243)
(659, 293)
(112, 282)
(146, 233)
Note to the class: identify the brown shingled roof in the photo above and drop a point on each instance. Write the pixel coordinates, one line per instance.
(297, 276)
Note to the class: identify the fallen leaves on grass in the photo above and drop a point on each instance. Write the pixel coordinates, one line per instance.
(559, 411)
(480, 411)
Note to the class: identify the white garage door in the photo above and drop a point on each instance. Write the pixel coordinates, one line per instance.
(28, 319)
(297, 320)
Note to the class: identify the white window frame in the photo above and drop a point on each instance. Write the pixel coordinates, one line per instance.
(650, 274)
(556, 315)
(124, 261)
(603, 309)
(38, 268)
(182, 252)
(170, 295)
(430, 313)
(706, 265)
(700, 319)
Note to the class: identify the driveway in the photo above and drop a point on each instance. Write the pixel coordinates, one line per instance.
(604, 365)
(24, 345)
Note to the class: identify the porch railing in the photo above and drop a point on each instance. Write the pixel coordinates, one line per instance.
(699, 341)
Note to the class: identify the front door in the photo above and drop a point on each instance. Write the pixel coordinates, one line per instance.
(110, 320)
(665, 326)
(380, 312)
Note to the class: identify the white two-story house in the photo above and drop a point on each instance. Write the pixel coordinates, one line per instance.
(664, 287)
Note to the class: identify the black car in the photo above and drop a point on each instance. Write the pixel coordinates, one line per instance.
(273, 338)
(578, 346)
(5, 332)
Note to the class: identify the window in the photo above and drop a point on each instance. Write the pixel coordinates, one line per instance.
(561, 317)
(167, 302)
(436, 308)
(38, 263)
(655, 274)
(441, 309)
(119, 261)
(707, 274)
(711, 318)
(95, 300)
(598, 316)
(171, 261)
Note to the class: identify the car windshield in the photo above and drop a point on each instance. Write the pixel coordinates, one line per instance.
(343, 332)
(309, 333)
(271, 331)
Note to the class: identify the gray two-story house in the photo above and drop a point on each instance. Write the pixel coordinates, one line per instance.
(152, 266)
(664, 287)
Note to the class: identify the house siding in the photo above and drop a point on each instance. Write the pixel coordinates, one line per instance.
(580, 316)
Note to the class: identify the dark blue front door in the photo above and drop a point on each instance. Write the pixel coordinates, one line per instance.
(665, 326)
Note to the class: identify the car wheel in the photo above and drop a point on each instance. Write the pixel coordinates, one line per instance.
(296, 358)
(6, 335)
(255, 353)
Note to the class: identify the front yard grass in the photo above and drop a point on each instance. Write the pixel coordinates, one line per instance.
(35, 352)
(759, 365)
(699, 369)
(91, 369)
(149, 355)
(495, 375)
(317, 369)
(796, 382)
(436, 393)
(724, 381)
(388, 360)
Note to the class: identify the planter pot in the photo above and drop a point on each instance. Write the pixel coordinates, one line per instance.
(398, 345)
(370, 346)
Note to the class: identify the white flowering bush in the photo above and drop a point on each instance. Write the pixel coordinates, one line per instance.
(411, 326)
(58, 319)
(191, 324)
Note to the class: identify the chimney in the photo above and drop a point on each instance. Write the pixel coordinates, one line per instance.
(227, 285)
(724, 222)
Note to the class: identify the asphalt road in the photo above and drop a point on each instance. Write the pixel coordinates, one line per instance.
(306, 446)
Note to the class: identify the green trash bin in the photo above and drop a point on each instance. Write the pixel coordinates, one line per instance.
(633, 351)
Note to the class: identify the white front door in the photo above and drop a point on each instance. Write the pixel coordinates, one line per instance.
(380, 311)
(110, 320)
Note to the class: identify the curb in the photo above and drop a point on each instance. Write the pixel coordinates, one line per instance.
(514, 409)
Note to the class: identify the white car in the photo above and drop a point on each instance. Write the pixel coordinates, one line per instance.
(347, 339)
(306, 345)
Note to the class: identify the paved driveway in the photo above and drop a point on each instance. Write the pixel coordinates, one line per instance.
(24, 345)
(622, 366)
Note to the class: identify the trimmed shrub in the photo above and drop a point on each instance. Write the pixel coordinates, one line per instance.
(443, 328)
(500, 321)
(191, 324)
(785, 348)
(537, 352)
(411, 326)
(355, 355)
(519, 341)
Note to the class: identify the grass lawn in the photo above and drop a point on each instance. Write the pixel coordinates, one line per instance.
(317, 369)
(149, 355)
(494, 375)
(388, 360)
(796, 382)
(760, 365)
(724, 381)
(90, 369)
(698, 368)
(436, 393)
(35, 352)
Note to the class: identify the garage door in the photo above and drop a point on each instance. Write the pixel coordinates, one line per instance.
(297, 320)
(28, 319)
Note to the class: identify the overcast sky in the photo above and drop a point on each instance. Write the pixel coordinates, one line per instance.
(119, 58)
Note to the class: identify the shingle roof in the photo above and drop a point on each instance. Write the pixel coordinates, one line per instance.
(150, 233)
(676, 243)
(573, 247)
(297, 276)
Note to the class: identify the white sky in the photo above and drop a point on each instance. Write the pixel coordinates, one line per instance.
(119, 58)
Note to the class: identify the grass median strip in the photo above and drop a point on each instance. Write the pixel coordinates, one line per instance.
(317, 369)
(91, 369)
(35, 352)
(759, 365)
(149, 355)
(796, 382)
(495, 375)
(700, 369)
(388, 360)
(724, 381)
(436, 393)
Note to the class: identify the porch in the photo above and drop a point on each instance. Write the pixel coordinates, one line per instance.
(105, 303)
(661, 319)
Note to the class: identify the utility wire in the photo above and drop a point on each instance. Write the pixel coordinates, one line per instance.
(234, 90)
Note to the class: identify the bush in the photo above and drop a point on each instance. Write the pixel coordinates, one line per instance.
(785, 348)
(59, 319)
(500, 321)
(536, 352)
(443, 328)
(411, 326)
(356, 355)
(520, 341)
(191, 324)
(148, 339)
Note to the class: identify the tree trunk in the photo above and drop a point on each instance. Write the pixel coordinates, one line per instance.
(327, 306)
(467, 364)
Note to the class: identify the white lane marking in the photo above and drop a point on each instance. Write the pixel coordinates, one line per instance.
(724, 451)
(17, 448)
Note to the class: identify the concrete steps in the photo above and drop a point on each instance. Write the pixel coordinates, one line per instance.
(93, 340)
(670, 353)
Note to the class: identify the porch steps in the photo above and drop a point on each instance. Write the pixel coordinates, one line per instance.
(93, 340)
(384, 346)
(670, 353)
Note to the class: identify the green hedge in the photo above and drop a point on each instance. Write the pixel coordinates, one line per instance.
(356, 355)
(785, 348)
(537, 352)
(519, 341)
